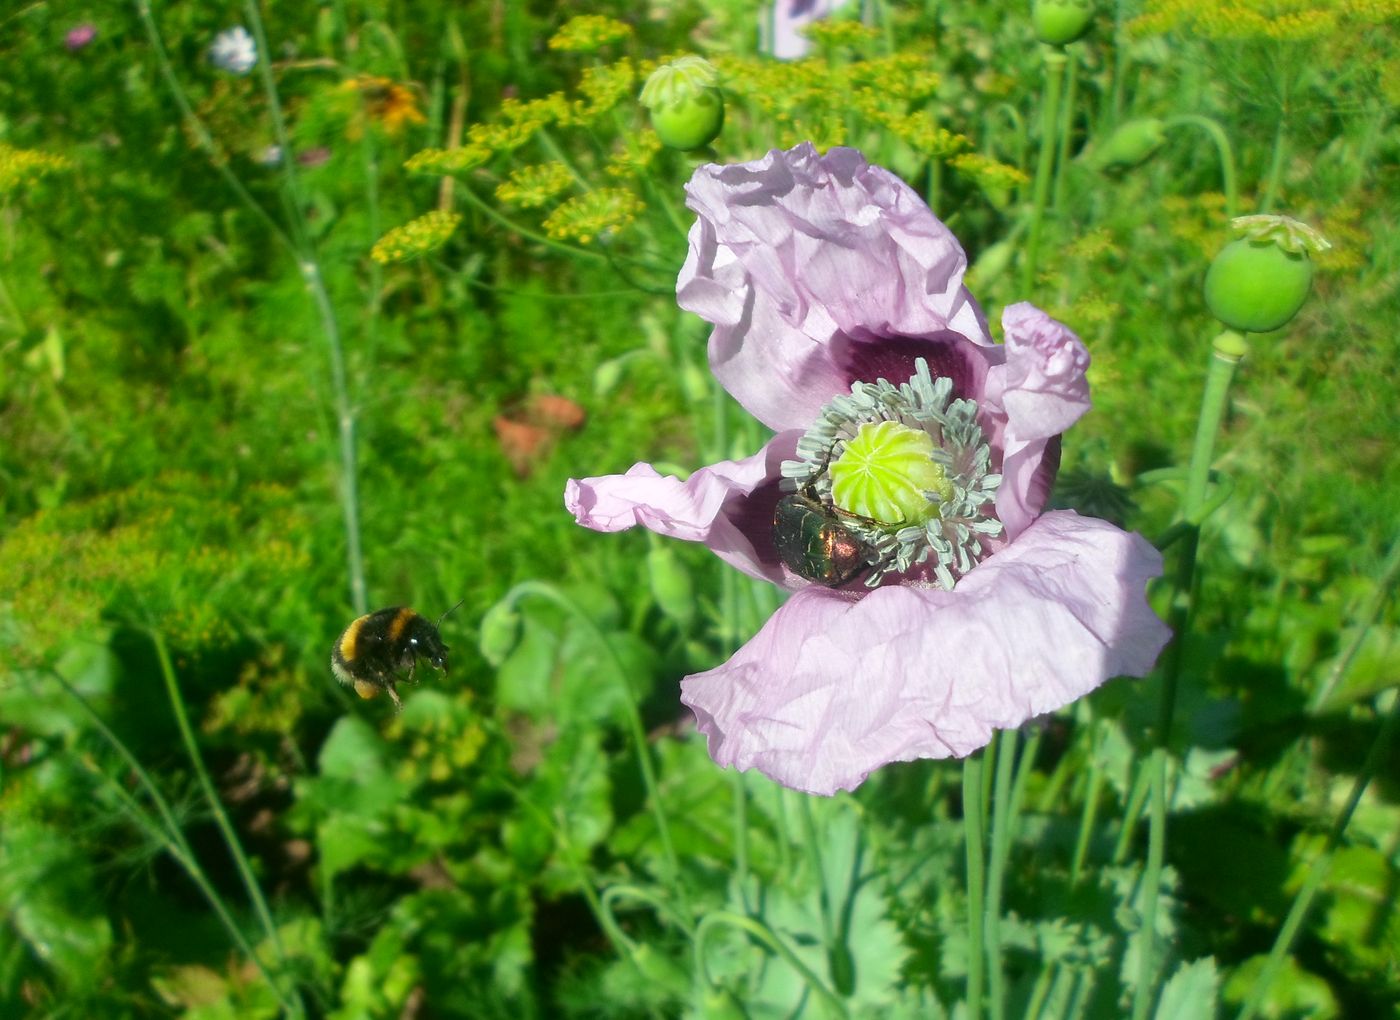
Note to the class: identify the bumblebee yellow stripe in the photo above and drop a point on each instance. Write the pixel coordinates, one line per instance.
(349, 641)
(400, 621)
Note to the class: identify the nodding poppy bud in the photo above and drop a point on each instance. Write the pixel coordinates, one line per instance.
(687, 109)
(1131, 145)
(1061, 22)
(1258, 281)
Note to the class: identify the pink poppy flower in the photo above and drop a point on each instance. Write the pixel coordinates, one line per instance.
(80, 36)
(901, 498)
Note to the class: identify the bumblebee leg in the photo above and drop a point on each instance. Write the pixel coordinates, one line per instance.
(393, 694)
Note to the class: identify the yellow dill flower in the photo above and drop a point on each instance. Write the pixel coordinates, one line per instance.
(25, 166)
(415, 238)
(636, 156)
(907, 77)
(1093, 309)
(532, 186)
(988, 172)
(921, 133)
(1092, 245)
(604, 87)
(588, 33)
(604, 211)
(831, 33)
(448, 161)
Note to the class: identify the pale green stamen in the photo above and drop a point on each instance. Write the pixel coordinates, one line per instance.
(887, 473)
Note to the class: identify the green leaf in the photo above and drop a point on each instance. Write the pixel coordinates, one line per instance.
(1191, 993)
(46, 890)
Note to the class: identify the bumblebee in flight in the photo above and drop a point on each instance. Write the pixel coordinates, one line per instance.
(378, 646)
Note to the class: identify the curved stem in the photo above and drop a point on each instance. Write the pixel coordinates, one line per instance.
(1222, 147)
(1271, 182)
(760, 931)
(634, 716)
(1055, 60)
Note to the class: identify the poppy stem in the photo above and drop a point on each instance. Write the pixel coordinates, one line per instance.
(1227, 350)
(974, 821)
(1055, 61)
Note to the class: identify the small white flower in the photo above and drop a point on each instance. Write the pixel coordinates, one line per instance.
(234, 51)
(271, 156)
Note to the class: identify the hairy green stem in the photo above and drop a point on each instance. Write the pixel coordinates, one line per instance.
(1001, 850)
(1055, 60)
(1065, 132)
(1227, 350)
(973, 827)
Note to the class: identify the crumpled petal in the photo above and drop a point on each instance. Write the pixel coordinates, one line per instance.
(798, 257)
(728, 506)
(834, 687)
(1041, 390)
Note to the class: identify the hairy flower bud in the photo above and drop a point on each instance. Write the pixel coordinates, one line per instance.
(1060, 22)
(1258, 281)
(687, 109)
(1133, 143)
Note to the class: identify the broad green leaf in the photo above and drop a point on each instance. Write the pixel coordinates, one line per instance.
(1191, 993)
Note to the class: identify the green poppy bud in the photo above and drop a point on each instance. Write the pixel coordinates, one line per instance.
(1131, 145)
(687, 109)
(1258, 281)
(500, 631)
(1061, 22)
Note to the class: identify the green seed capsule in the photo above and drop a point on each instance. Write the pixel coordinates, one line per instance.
(1061, 22)
(687, 108)
(1260, 280)
(1257, 287)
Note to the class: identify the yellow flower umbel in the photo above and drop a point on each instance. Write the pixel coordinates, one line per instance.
(25, 166)
(535, 185)
(589, 33)
(600, 213)
(416, 238)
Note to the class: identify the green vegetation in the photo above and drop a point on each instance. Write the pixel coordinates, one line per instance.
(281, 347)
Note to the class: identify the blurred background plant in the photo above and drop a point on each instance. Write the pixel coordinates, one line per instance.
(388, 286)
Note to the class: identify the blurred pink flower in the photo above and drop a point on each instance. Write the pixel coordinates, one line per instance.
(79, 36)
(781, 25)
(837, 301)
